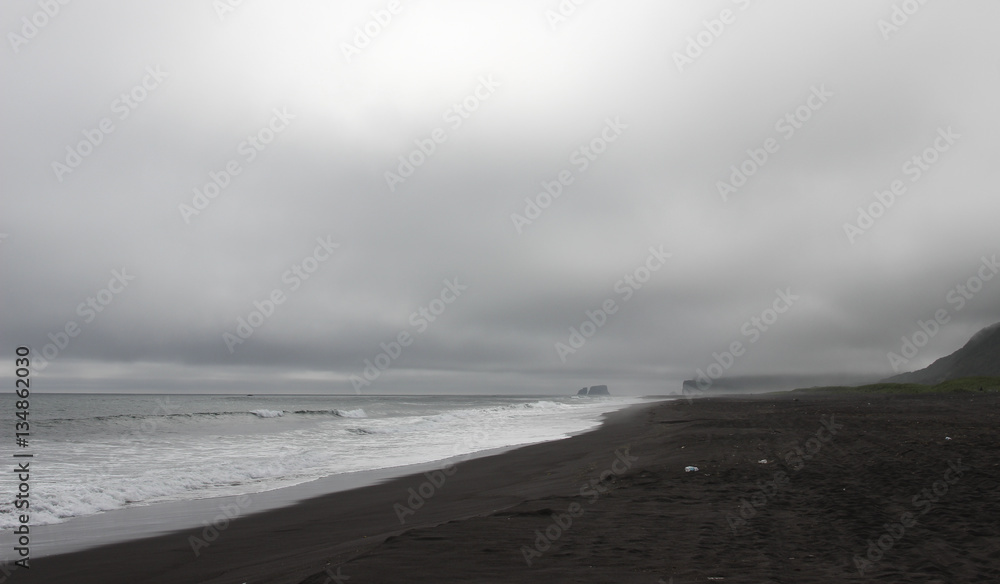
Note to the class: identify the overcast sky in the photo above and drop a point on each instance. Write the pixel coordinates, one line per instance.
(641, 108)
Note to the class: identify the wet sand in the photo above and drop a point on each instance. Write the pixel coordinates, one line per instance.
(918, 475)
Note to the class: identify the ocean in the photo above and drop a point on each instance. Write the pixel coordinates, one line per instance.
(95, 453)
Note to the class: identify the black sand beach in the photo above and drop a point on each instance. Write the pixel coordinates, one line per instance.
(917, 474)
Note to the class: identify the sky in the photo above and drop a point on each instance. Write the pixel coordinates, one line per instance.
(519, 197)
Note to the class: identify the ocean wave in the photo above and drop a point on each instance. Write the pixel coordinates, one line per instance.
(495, 411)
(142, 468)
(196, 416)
(357, 413)
(106, 491)
(267, 413)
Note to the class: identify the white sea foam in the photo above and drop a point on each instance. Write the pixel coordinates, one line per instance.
(97, 463)
(357, 413)
(267, 413)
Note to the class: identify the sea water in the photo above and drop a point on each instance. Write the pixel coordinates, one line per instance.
(101, 452)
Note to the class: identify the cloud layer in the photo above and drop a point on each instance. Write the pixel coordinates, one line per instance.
(534, 152)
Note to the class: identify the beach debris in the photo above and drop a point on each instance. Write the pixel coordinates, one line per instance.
(947, 437)
(690, 469)
(762, 461)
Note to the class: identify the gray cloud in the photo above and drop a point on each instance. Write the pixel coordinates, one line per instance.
(324, 176)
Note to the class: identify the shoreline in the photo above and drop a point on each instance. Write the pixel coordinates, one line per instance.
(628, 512)
(143, 521)
(174, 512)
(174, 548)
(163, 517)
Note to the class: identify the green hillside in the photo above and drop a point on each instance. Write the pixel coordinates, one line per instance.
(964, 385)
